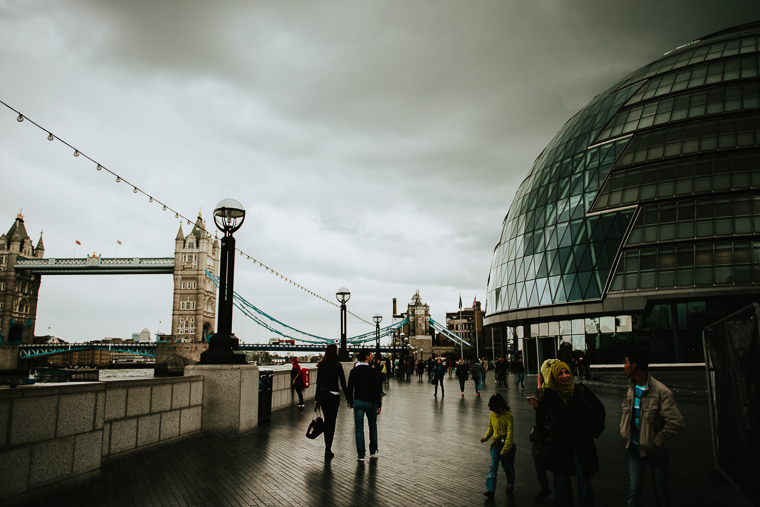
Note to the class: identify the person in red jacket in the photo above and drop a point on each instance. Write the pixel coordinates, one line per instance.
(296, 381)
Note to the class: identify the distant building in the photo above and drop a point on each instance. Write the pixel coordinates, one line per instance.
(91, 357)
(639, 223)
(141, 337)
(469, 325)
(18, 290)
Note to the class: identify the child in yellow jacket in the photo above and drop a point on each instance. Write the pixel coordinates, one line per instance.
(501, 428)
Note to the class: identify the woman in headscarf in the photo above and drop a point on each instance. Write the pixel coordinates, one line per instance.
(571, 449)
(539, 448)
(329, 375)
(296, 380)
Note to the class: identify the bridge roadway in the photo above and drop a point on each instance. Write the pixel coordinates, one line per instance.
(149, 349)
(429, 455)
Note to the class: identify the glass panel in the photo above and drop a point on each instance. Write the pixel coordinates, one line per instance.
(607, 324)
(624, 324)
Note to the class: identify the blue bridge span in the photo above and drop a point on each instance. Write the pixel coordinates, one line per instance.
(149, 349)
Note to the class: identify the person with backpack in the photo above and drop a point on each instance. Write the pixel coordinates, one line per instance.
(566, 420)
(477, 373)
(646, 438)
(503, 450)
(296, 381)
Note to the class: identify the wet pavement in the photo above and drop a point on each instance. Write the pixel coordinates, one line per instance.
(430, 454)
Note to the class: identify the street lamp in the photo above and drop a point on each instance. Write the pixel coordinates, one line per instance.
(406, 345)
(343, 296)
(229, 215)
(377, 318)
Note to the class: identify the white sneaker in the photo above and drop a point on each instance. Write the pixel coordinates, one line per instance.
(373, 456)
(361, 460)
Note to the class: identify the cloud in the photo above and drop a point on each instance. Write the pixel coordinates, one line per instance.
(376, 145)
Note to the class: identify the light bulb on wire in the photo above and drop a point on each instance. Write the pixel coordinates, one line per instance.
(50, 136)
(99, 168)
(20, 118)
(134, 190)
(76, 153)
(118, 180)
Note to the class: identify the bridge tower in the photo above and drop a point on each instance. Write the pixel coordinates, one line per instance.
(419, 327)
(194, 308)
(18, 289)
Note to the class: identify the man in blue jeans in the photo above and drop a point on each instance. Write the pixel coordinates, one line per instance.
(650, 419)
(363, 395)
(519, 368)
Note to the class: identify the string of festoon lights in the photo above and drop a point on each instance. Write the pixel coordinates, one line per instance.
(151, 199)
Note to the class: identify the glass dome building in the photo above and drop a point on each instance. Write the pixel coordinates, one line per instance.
(639, 223)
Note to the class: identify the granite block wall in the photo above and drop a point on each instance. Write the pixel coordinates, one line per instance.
(53, 434)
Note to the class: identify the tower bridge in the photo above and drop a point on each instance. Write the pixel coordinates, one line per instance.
(22, 266)
(195, 268)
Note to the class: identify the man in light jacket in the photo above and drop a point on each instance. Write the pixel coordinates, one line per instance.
(650, 419)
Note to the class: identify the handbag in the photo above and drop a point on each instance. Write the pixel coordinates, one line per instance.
(317, 425)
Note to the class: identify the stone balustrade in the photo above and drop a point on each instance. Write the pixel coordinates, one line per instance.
(51, 435)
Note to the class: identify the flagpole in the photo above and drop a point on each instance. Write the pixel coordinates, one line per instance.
(461, 333)
(475, 323)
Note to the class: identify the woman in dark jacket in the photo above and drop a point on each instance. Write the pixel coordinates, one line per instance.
(563, 419)
(329, 373)
(296, 380)
(462, 374)
(439, 371)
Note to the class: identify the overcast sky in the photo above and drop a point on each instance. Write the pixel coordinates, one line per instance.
(376, 145)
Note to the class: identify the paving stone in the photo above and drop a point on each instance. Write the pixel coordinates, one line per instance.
(430, 454)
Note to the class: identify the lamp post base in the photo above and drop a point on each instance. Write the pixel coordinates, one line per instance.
(223, 350)
(343, 355)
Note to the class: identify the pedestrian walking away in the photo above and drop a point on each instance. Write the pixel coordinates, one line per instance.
(519, 368)
(484, 363)
(462, 374)
(420, 370)
(564, 420)
(501, 372)
(539, 448)
(439, 372)
(477, 373)
(363, 395)
(650, 419)
(379, 366)
(503, 450)
(330, 378)
(296, 380)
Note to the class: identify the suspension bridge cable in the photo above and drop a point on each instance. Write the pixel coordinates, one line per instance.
(263, 319)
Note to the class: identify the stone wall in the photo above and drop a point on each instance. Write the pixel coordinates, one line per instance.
(50, 436)
(8, 357)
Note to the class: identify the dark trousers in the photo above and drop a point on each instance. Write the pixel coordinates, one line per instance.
(330, 404)
(436, 382)
(300, 395)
